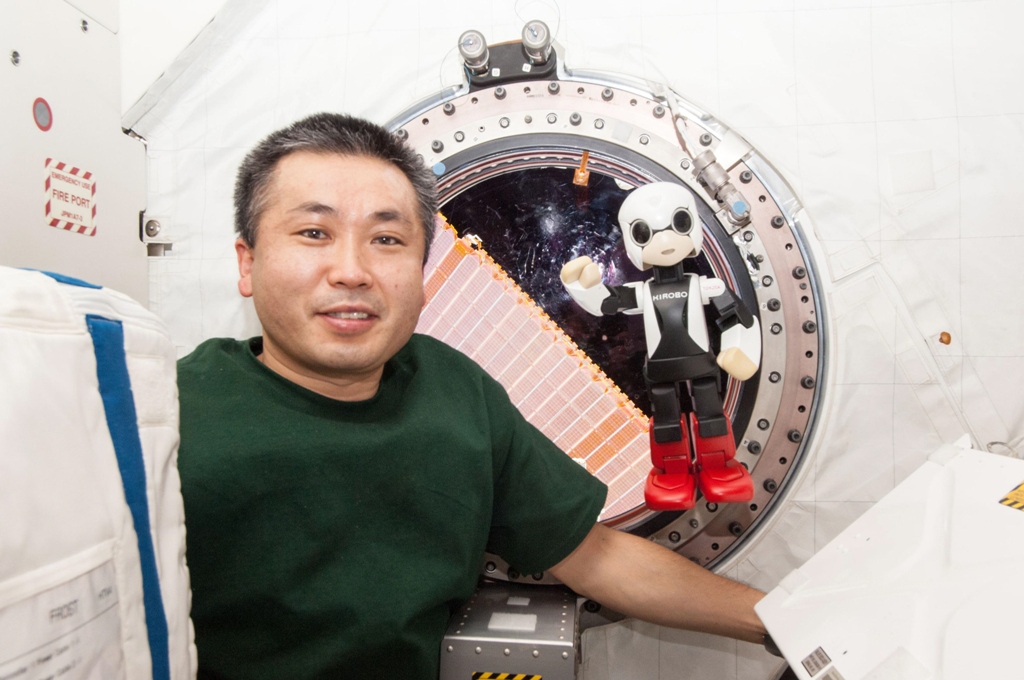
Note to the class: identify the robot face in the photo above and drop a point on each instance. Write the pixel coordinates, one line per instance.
(659, 225)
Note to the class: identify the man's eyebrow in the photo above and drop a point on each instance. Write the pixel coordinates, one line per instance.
(390, 216)
(314, 207)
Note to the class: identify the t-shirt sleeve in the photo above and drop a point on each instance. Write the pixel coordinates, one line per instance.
(545, 503)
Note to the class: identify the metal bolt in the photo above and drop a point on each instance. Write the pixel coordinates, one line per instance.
(513, 574)
(448, 108)
(508, 651)
(694, 524)
(712, 507)
(754, 447)
(799, 272)
(473, 49)
(437, 146)
(776, 328)
(552, 118)
(778, 222)
(599, 124)
(459, 136)
(763, 424)
(644, 139)
(674, 537)
(735, 528)
(767, 281)
(746, 176)
(810, 326)
(402, 134)
(794, 435)
(803, 286)
(528, 119)
(807, 382)
(450, 648)
(15, 57)
(705, 139)
(503, 122)
(774, 305)
(684, 164)
(478, 650)
(85, 26)
(759, 257)
(591, 606)
(499, 93)
(748, 236)
(575, 119)
(535, 654)
(490, 567)
(565, 655)
(771, 486)
(774, 377)
(537, 41)
(607, 94)
(538, 577)
(554, 87)
(152, 228)
(659, 111)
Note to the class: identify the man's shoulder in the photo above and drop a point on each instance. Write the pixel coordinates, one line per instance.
(212, 357)
(213, 350)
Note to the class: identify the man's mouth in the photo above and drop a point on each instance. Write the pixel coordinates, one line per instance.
(348, 315)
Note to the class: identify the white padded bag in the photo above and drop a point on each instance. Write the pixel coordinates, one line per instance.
(88, 457)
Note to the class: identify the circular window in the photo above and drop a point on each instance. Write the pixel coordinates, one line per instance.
(533, 171)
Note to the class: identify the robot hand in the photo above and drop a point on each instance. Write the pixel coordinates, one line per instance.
(582, 270)
(582, 280)
(737, 364)
(741, 350)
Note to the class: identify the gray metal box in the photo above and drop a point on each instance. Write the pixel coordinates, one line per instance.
(512, 628)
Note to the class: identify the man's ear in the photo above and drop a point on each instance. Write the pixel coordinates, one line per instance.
(245, 258)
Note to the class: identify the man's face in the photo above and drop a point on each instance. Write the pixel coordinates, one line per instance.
(336, 274)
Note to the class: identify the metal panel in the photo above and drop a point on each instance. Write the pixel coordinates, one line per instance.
(75, 69)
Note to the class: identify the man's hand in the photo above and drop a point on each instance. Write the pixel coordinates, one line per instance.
(643, 580)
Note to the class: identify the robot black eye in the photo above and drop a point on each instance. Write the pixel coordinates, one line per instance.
(641, 233)
(681, 221)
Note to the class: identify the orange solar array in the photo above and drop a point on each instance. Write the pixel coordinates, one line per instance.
(475, 307)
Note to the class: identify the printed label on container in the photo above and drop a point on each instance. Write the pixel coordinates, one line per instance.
(69, 632)
(815, 662)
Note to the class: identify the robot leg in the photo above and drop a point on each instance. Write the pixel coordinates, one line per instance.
(721, 479)
(670, 484)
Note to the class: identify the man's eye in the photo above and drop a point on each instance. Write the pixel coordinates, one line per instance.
(387, 240)
(315, 234)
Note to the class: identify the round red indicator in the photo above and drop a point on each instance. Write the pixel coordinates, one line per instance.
(42, 114)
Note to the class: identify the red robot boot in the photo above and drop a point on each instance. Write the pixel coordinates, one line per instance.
(671, 484)
(720, 477)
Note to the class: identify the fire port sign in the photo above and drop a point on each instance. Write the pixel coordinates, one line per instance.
(70, 198)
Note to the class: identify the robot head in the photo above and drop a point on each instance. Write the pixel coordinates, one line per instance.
(660, 225)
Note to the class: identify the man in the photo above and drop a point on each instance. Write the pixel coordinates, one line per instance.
(342, 476)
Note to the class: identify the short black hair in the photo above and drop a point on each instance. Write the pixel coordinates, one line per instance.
(328, 133)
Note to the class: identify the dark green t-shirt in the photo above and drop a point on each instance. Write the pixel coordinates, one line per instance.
(327, 536)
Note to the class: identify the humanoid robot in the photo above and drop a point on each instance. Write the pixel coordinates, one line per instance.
(660, 229)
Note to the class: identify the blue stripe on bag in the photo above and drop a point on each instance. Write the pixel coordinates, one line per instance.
(119, 405)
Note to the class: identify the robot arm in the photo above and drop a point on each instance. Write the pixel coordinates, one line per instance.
(740, 355)
(582, 280)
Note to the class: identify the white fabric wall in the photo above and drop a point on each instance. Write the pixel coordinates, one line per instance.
(899, 124)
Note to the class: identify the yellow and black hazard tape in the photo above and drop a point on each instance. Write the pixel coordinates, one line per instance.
(505, 676)
(1015, 499)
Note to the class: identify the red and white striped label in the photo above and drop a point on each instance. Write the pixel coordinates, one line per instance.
(70, 198)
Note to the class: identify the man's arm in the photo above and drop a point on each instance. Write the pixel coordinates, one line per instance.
(643, 580)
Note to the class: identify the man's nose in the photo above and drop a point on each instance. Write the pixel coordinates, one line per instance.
(349, 266)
